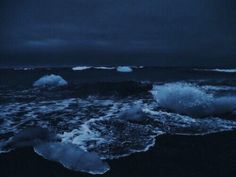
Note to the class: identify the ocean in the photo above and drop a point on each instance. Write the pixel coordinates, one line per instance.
(83, 117)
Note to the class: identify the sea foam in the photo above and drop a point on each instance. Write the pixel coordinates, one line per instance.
(104, 67)
(218, 70)
(81, 68)
(225, 70)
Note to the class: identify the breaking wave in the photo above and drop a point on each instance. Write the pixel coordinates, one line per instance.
(119, 68)
(219, 70)
(81, 68)
(219, 88)
(191, 100)
(24, 69)
(104, 67)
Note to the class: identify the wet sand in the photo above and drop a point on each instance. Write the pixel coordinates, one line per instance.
(173, 156)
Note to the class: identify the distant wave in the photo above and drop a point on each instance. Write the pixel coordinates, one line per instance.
(81, 68)
(25, 69)
(218, 70)
(225, 70)
(104, 67)
(191, 100)
(219, 88)
(119, 68)
(137, 67)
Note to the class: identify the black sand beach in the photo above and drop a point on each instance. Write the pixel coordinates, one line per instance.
(173, 156)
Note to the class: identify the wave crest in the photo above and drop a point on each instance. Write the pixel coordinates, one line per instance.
(219, 70)
(81, 68)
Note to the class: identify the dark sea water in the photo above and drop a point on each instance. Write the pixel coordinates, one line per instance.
(84, 116)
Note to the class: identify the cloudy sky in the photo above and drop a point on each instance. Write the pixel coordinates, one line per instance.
(111, 32)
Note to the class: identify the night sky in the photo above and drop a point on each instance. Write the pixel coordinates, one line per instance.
(114, 32)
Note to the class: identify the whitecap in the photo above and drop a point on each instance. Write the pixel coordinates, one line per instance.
(81, 68)
(104, 68)
(24, 69)
(225, 70)
(219, 88)
(218, 70)
(174, 123)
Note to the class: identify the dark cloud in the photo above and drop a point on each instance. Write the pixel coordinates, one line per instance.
(162, 32)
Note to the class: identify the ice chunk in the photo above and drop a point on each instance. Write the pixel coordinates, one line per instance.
(50, 81)
(124, 69)
(190, 99)
(72, 157)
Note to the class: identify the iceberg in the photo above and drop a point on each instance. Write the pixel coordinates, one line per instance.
(124, 69)
(50, 81)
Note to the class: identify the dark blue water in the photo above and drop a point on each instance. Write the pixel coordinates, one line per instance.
(92, 114)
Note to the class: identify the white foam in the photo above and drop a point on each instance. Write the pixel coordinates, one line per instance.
(50, 81)
(225, 70)
(124, 69)
(219, 88)
(81, 136)
(219, 70)
(180, 124)
(104, 67)
(32, 114)
(24, 69)
(81, 68)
